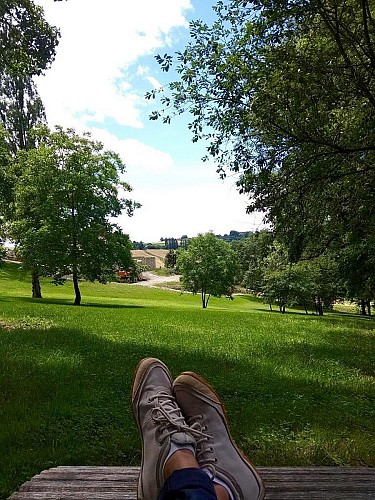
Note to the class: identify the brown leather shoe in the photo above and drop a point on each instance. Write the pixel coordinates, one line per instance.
(216, 450)
(160, 422)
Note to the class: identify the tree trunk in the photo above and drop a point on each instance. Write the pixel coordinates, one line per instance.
(35, 285)
(369, 307)
(77, 300)
(205, 299)
(319, 306)
(21, 121)
(363, 307)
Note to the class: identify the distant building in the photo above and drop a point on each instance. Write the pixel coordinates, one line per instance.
(150, 262)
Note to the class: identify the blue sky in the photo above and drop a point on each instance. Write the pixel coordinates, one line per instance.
(104, 66)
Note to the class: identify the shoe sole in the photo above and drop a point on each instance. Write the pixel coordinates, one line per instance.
(209, 392)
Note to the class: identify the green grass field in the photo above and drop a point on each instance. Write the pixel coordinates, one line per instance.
(299, 390)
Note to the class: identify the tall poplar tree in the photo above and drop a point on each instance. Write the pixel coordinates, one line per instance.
(28, 45)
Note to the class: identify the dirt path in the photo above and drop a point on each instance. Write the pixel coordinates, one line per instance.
(153, 280)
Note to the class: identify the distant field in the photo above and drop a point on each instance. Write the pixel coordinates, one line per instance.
(299, 390)
(158, 254)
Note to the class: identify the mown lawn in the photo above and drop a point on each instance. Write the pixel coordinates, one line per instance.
(299, 390)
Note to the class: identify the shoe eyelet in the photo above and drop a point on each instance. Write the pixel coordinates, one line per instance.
(215, 460)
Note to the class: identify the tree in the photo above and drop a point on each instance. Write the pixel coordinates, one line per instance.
(139, 245)
(170, 243)
(356, 266)
(184, 241)
(266, 268)
(284, 94)
(208, 266)
(276, 276)
(28, 42)
(251, 253)
(6, 180)
(6, 187)
(28, 45)
(67, 190)
(170, 259)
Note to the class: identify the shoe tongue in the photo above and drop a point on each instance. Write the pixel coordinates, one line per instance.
(181, 438)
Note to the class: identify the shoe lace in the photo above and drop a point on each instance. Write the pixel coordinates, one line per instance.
(204, 452)
(167, 416)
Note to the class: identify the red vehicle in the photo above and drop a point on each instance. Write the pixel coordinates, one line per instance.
(124, 275)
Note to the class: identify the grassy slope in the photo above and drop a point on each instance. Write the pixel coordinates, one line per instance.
(299, 389)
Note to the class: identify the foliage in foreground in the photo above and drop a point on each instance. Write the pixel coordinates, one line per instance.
(298, 390)
(283, 93)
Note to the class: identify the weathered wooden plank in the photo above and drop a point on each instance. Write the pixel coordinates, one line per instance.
(318, 486)
(317, 470)
(132, 496)
(126, 479)
(298, 472)
(97, 484)
(315, 495)
(75, 495)
(120, 483)
(93, 468)
(86, 476)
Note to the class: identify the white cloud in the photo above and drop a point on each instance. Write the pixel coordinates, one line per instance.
(154, 82)
(99, 41)
(188, 210)
(142, 70)
(90, 82)
(138, 157)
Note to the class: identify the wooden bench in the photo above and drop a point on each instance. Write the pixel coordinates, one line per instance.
(120, 483)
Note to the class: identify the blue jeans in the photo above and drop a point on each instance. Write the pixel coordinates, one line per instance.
(188, 484)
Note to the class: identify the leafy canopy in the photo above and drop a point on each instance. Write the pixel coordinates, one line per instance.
(208, 266)
(284, 94)
(27, 41)
(68, 190)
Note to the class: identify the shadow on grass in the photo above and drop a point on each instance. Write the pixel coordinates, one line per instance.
(68, 302)
(112, 306)
(353, 315)
(275, 309)
(65, 399)
(287, 312)
(312, 314)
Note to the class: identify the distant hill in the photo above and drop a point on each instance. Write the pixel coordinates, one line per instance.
(234, 235)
